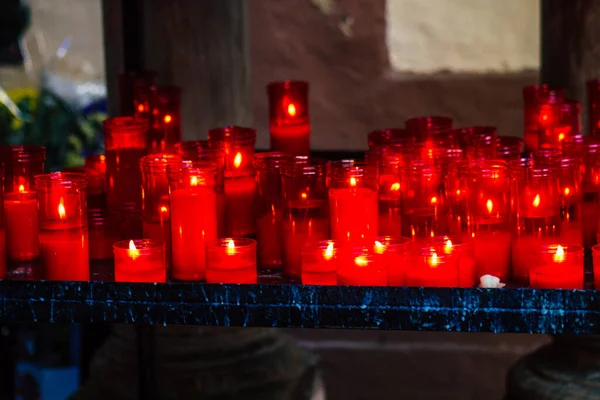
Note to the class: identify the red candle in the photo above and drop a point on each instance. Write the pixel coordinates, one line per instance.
(390, 206)
(64, 247)
(97, 162)
(362, 266)
(433, 267)
(103, 233)
(319, 265)
(231, 260)
(558, 267)
(125, 144)
(141, 260)
(288, 117)
(424, 128)
(130, 85)
(492, 250)
(96, 185)
(165, 126)
(193, 216)
(533, 98)
(509, 148)
(396, 253)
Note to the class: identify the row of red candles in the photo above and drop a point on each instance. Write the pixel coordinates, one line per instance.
(411, 184)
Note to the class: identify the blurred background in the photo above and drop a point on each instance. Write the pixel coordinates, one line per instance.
(371, 64)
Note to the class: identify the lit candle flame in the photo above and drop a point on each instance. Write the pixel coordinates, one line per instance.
(559, 256)
(194, 181)
(328, 255)
(140, 108)
(433, 200)
(21, 189)
(61, 210)
(489, 205)
(291, 110)
(133, 251)
(352, 181)
(448, 247)
(164, 209)
(458, 192)
(230, 247)
(379, 247)
(536, 201)
(567, 191)
(167, 119)
(361, 261)
(433, 261)
(304, 195)
(237, 161)
(561, 137)
(395, 187)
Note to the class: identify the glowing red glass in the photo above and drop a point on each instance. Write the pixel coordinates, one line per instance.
(289, 122)
(165, 126)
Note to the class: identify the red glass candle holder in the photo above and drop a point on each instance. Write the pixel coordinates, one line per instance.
(395, 250)
(319, 263)
(125, 144)
(593, 101)
(433, 266)
(462, 249)
(129, 87)
(96, 195)
(97, 162)
(21, 164)
(487, 184)
(557, 267)
(103, 231)
(268, 210)
(570, 176)
(596, 263)
(64, 246)
(165, 127)
(236, 144)
(193, 198)
(535, 219)
(140, 260)
(389, 196)
(130, 221)
(363, 265)
(231, 260)
(570, 120)
(533, 97)
(289, 123)
(395, 142)
(156, 210)
(481, 142)
(353, 201)
(423, 128)
(509, 148)
(305, 215)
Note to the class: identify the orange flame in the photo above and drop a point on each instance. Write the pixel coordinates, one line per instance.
(489, 205)
(133, 251)
(433, 200)
(328, 255)
(194, 181)
(237, 160)
(379, 247)
(559, 256)
(140, 108)
(395, 187)
(164, 209)
(167, 119)
(567, 191)
(21, 189)
(361, 261)
(448, 247)
(291, 110)
(536, 201)
(352, 181)
(433, 260)
(304, 195)
(230, 247)
(61, 210)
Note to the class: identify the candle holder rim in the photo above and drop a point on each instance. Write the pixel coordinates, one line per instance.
(124, 125)
(288, 84)
(567, 248)
(159, 161)
(23, 152)
(270, 159)
(237, 135)
(144, 246)
(67, 180)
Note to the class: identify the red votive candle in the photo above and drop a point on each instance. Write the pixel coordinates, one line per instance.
(268, 210)
(353, 201)
(461, 248)
(481, 142)
(423, 128)
(165, 126)
(396, 252)
(231, 260)
(193, 216)
(96, 197)
(130, 85)
(535, 212)
(103, 232)
(389, 196)
(236, 144)
(64, 247)
(557, 267)
(96, 161)
(533, 97)
(304, 203)
(156, 210)
(288, 117)
(140, 260)
(319, 265)
(362, 265)
(509, 148)
(125, 144)
(21, 164)
(593, 99)
(433, 267)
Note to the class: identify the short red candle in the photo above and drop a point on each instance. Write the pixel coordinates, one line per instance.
(125, 144)
(165, 126)
(140, 260)
(362, 266)
(231, 260)
(21, 164)
(558, 267)
(103, 233)
(396, 252)
(353, 201)
(305, 217)
(319, 265)
(64, 246)
(433, 267)
(288, 117)
(236, 144)
(130, 85)
(193, 201)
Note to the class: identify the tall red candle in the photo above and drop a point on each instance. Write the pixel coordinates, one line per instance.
(236, 144)
(21, 164)
(125, 144)
(193, 200)
(165, 120)
(288, 117)
(64, 247)
(396, 252)
(305, 209)
(557, 267)
(353, 201)
(231, 260)
(389, 196)
(140, 260)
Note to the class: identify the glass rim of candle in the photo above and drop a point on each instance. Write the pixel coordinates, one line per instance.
(96, 178)
(305, 165)
(236, 135)
(458, 241)
(484, 168)
(270, 160)
(124, 125)
(208, 171)
(596, 248)
(158, 162)
(197, 150)
(396, 243)
(66, 180)
(427, 124)
(527, 170)
(316, 245)
(382, 137)
(531, 93)
(505, 143)
(142, 246)
(360, 172)
(23, 153)
(99, 216)
(551, 249)
(276, 86)
(581, 145)
(239, 244)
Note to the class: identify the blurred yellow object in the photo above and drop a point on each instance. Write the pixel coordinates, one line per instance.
(17, 95)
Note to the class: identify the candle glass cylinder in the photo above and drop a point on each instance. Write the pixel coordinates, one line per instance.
(361, 266)
(268, 211)
(462, 249)
(97, 162)
(383, 143)
(96, 196)
(533, 97)
(130, 221)
(557, 267)
(236, 145)
(156, 210)
(535, 214)
(63, 222)
(103, 232)
(593, 98)
(140, 260)
(231, 260)
(431, 266)
(305, 216)
(481, 142)
(165, 127)
(289, 123)
(129, 85)
(395, 250)
(319, 264)
(596, 265)
(21, 164)
(389, 196)
(423, 128)
(569, 121)
(193, 200)
(353, 203)
(509, 148)
(125, 144)
(455, 220)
